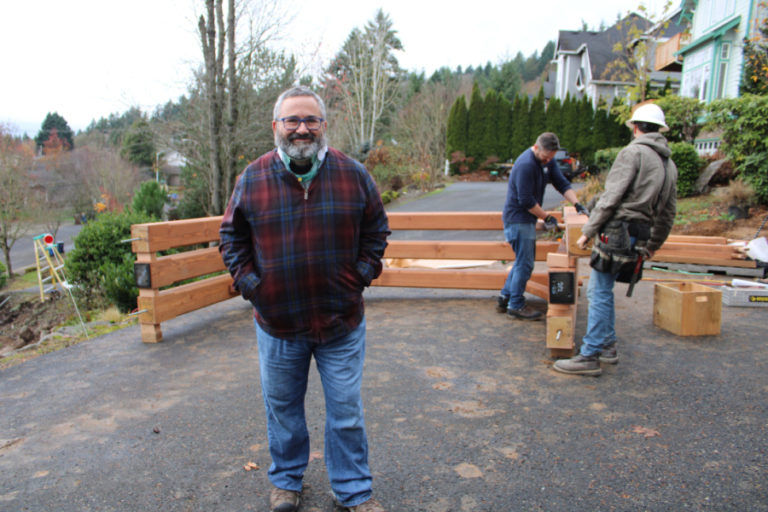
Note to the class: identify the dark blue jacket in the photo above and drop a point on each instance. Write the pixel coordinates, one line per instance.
(527, 182)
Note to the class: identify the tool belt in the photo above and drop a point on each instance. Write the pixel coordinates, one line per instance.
(617, 248)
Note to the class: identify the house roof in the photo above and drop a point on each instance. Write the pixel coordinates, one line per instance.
(599, 45)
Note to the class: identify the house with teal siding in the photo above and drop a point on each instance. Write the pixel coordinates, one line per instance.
(713, 59)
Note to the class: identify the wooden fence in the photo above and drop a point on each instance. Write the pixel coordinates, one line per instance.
(162, 298)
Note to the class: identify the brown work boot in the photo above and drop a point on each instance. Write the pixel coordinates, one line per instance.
(609, 355)
(525, 313)
(367, 506)
(579, 365)
(283, 500)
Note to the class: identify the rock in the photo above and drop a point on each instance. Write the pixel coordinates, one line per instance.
(703, 182)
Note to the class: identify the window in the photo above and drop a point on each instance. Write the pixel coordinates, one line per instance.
(721, 79)
(725, 49)
(580, 80)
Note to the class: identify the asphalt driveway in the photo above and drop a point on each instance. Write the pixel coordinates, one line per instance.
(463, 413)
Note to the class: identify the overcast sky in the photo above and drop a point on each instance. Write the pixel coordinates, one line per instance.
(86, 59)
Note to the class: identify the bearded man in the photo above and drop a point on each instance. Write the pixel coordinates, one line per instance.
(303, 234)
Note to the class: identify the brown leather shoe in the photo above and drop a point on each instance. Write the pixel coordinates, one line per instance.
(526, 313)
(579, 365)
(367, 506)
(283, 500)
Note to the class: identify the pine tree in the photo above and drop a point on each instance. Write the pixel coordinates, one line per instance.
(601, 128)
(619, 133)
(585, 118)
(504, 129)
(456, 133)
(554, 122)
(537, 115)
(54, 121)
(570, 128)
(138, 144)
(476, 126)
(521, 135)
(491, 133)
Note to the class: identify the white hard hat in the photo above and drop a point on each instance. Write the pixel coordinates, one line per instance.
(649, 113)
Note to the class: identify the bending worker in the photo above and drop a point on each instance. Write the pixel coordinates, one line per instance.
(533, 169)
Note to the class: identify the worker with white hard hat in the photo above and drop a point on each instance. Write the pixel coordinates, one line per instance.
(629, 223)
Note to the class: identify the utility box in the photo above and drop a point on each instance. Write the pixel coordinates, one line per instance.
(752, 297)
(562, 287)
(687, 309)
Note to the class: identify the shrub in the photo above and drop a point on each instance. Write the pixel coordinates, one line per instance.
(120, 284)
(150, 199)
(745, 137)
(3, 275)
(98, 263)
(688, 165)
(388, 196)
(388, 165)
(604, 158)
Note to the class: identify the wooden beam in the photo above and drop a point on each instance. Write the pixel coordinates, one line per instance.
(160, 236)
(537, 289)
(694, 239)
(701, 260)
(475, 221)
(173, 268)
(190, 297)
(443, 278)
(573, 224)
(462, 250)
(561, 327)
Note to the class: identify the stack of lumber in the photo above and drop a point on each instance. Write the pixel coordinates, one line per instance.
(702, 250)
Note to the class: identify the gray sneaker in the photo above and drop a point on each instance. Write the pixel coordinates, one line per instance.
(367, 506)
(283, 500)
(525, 313)
(609, 355)
(579, 365)
(501, 304)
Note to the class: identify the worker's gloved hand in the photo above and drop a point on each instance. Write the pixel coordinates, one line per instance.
(550, 223)
(580, 208)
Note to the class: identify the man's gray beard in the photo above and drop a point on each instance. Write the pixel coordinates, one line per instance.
(302, 151)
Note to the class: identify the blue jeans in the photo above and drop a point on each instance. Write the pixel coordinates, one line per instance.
(284, 367)
(601, 317)
(522, 238)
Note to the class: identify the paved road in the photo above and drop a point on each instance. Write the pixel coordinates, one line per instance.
(463, 197)
(471, 196)
(23, 251)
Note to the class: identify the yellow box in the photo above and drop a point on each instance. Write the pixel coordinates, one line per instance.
(687, 309)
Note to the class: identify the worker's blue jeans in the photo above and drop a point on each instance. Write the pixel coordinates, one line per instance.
(601, 317)
(284, 367)
(522, 238)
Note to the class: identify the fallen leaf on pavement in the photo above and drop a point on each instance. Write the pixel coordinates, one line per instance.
(646, 432)
(250, 466)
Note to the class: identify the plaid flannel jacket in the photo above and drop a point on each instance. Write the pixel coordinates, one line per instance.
(303, 258)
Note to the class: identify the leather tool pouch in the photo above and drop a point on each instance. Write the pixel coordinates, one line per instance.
(614, 249)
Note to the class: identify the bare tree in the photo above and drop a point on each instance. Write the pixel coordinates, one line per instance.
(16, 161)
(636, 51)
(420, 127)
(363, 80)
(224, 89)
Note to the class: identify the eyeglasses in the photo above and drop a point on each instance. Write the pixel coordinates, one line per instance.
(292, 123)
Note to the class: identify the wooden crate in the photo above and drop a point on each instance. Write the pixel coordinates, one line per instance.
(687, 309)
